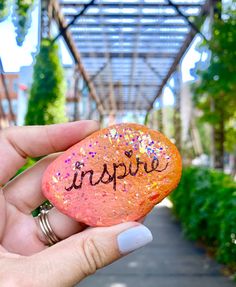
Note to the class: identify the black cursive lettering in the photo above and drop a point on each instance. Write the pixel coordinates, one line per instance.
(120, 171)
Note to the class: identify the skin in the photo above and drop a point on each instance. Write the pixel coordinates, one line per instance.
(25, 259)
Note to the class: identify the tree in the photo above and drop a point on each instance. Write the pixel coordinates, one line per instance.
(22, 19)
(47, 95)
(216, 89)
(4, 9)
(21, 16)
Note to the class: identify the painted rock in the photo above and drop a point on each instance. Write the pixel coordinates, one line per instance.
(115, 175)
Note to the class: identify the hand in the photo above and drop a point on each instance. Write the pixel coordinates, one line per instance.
(25, 259)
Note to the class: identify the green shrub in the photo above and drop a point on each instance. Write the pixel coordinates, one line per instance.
(22, 19)
(4, 9)
(205, 203)
(30, 162)
(47, 96)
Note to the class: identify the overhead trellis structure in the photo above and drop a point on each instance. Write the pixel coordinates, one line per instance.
(128, 49)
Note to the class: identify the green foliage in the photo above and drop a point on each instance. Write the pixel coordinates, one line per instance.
(204, 131)
(28, 164)
(47, 97)
(217, 83)
(205, 203)
(21, 16)
(22, 19)
(4, 9)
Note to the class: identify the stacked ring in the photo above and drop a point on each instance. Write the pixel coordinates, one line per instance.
(46, 227)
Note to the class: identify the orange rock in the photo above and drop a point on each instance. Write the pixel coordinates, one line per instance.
(115, 175)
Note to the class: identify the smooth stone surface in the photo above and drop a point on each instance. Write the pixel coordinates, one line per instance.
(115, 175)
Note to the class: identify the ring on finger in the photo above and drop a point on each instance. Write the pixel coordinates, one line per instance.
(46, 228)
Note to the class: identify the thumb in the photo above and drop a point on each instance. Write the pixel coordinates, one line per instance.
(71, 260)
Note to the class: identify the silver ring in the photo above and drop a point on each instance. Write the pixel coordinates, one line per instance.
(46, 227)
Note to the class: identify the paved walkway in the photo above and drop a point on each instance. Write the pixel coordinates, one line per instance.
(169, 261)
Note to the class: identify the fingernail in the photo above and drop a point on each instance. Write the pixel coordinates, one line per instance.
(134, 238)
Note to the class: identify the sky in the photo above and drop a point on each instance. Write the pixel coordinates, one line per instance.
(13, 56)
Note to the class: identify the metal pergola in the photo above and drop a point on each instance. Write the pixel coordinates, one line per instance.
(127, 50)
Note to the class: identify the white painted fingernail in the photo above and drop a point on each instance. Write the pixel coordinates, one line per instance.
(134, 238)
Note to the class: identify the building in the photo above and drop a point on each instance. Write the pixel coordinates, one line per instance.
(25, 82)
(78, 101)
(78, 104)
(8, 98)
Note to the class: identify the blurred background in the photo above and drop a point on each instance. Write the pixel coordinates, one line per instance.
(170, 65)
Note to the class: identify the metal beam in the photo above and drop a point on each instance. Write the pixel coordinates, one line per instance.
(124, 79)
(156, 31)
(117, 86)
(120, 24)
(186, 43)
(147, 36)
(125, 68)
(69, 40)
(140, 45)
(157, 74)
(77, 94)
(168, 41)
(134, 53)
(45, 19)
(129, 106)
(129, 33)
(140, 95)
(113, 50)
(139, 68)
(126, 16)
(146, 102)
(107, 28)
(130, 5)
(149, 88)
(118, 49)
(75, 17)
(99, 72)
(173, 66)
(186, 17)
(126, 83)
(125, 100)
(146, 98)
(106, 50)
(129, 55)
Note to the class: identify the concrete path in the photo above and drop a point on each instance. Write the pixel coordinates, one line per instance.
(169, 261)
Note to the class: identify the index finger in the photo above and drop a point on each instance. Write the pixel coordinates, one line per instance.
(18, 143)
